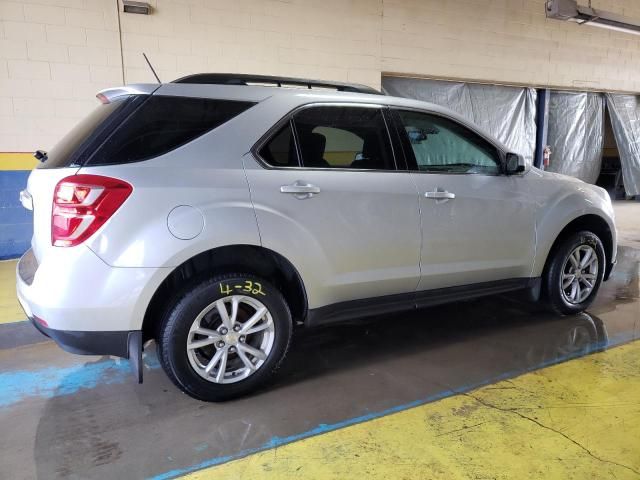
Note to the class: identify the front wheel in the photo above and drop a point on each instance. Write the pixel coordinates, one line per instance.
(226, 337)
(575, 273)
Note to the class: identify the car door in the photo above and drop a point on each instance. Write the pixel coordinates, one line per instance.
(328, 197)
(478, 225)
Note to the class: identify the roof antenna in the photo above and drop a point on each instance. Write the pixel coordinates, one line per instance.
(151, 67)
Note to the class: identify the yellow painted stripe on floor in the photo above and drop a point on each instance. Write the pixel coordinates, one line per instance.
(17, 161)
(10, 310)
(576, 420)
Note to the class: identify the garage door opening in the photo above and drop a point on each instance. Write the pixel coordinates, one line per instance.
(610, 177)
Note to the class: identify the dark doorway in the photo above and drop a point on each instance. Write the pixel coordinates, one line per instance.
(610, 173)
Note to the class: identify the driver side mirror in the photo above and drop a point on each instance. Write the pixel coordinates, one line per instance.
(514, 163)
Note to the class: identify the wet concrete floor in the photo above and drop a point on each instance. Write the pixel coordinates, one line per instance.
(65, 416)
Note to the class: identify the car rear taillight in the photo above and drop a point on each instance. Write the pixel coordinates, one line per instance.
(82, 204)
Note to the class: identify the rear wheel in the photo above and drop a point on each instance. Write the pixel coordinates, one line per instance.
(575, 273)
(226, 337)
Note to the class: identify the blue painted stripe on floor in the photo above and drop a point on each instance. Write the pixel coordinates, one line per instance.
(54, 382)
(275, 442)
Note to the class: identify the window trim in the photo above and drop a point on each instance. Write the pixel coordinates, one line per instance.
(271, 134)
(255, 150)
(412, 163)
(396, 138)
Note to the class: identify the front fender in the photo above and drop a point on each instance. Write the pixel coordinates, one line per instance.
(561, 203)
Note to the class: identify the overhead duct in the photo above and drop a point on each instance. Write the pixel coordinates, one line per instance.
(569, 10)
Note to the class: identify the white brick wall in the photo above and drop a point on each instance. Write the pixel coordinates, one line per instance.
(509, 41)
(56, 54)
(333, 39)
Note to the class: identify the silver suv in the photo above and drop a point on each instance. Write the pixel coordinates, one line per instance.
(216, 213)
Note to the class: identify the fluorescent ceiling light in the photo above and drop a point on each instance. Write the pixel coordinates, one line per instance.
(569, 10)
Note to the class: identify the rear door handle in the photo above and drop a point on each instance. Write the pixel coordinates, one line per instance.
(300, 189)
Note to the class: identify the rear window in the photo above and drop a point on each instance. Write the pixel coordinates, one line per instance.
(163, 124)
(72, 149)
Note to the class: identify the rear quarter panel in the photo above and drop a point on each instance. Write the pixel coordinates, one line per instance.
(205, 174)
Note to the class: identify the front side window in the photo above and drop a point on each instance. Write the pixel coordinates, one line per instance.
(441, 145)
(343, 137)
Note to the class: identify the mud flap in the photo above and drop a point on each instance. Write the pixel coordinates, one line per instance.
(534, 290)
(135, 353)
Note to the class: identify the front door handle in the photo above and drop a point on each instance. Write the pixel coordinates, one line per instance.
(300, 189)
(440, 195)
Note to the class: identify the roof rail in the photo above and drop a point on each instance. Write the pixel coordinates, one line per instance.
(244, 79)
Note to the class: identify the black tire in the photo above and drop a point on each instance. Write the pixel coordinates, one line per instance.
(553, 292)
(174, 333)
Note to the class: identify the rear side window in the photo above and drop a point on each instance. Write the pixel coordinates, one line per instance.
(163, 124)
(344, 137)
(280, 151)
(71, 150)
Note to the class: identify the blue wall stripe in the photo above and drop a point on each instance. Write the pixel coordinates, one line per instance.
(16, 222)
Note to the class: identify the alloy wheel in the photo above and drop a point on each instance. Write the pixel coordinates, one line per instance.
(579, 274)
(230, 339)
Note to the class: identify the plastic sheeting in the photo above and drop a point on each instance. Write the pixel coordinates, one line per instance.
(625, 120)
(576, 134)
(507, 113)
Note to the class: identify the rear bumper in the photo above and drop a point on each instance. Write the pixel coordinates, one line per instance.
(73, 290)
(120, 344)
(89, 343)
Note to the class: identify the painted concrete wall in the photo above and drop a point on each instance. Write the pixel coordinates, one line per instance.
(509, 41)
(56, 54)
(16, 223)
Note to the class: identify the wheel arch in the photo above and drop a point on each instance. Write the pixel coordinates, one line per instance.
(593, 223)
(252, 259)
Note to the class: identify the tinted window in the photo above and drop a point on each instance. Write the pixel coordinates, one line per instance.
(68, 151)
(280, 151)
(162, 124)
(343, 137)
(442, 145)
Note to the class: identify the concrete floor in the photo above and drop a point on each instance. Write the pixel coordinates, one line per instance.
(540, 425)
(628, 222)
(65, 416)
